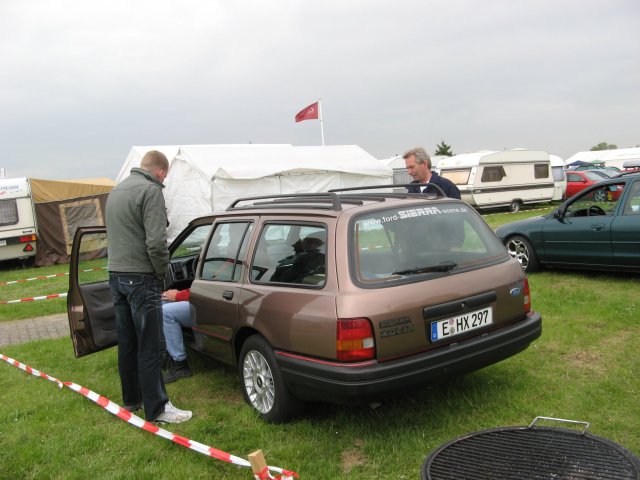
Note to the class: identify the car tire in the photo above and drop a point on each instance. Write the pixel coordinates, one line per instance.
(262, 383)
(520, 249)
(515, 206)
(600, 196)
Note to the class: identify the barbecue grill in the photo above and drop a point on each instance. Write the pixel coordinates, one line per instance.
(531, 452)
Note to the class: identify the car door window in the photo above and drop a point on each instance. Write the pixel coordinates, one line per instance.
(595, 202)
(574, 177)
(225, 252)
(632, 205)
(92, 259)
(184, 257)
(192, 245)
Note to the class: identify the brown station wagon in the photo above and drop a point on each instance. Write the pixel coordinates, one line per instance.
(339, 297)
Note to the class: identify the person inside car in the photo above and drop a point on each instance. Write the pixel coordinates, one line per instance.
(177, 312)
(308, 262)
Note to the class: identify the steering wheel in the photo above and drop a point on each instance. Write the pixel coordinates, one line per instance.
(595, 210)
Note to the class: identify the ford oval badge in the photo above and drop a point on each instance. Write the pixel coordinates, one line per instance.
(514, 292)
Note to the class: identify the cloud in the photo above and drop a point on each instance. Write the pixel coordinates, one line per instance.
(83, 82)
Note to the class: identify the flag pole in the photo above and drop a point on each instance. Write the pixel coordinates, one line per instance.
(320, 117)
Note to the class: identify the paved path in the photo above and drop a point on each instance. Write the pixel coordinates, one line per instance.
(40, 328)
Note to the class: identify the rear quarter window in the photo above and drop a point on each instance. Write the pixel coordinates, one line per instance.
(293, 254)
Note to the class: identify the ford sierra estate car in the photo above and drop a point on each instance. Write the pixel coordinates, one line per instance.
(343, 297)
(594, 230)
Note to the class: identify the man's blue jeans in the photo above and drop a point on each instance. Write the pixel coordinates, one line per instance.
(138, 312)
(176, 315)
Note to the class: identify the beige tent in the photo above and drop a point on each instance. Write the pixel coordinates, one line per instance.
(61, 207)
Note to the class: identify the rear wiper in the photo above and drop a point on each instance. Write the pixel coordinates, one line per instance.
(441, 267)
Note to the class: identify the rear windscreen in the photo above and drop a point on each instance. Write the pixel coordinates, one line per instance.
(397, 244)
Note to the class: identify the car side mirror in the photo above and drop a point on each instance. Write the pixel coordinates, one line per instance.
(558, 214)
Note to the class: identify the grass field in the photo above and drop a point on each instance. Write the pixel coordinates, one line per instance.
(585, 367)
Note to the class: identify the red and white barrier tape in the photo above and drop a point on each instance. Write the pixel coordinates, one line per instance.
(33, 299)
(136, 421)
(511, 213)
(41, 277)
(44, 277)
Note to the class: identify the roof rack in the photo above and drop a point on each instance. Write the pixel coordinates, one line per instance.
(430, 186)
(331, 200)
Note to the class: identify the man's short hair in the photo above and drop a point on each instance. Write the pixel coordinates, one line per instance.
(153, 161)
(420, 155)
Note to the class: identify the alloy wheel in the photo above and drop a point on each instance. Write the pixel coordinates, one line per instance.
(518, 250)
(258, 382)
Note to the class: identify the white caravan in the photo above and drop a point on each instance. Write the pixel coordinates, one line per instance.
(17, 219)
(511, 178)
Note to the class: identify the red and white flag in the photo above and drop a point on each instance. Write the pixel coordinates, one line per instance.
(308, 113)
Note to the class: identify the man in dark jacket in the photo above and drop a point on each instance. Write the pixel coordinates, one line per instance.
(418, 165)
(136, 220)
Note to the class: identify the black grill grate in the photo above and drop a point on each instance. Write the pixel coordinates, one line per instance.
(521, 453)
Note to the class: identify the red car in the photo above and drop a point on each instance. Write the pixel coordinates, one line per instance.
(581, 179)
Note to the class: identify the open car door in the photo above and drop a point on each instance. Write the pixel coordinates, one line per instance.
(90, 308)
(89, 303)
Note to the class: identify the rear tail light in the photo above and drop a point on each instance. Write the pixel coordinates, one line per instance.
(527, 296)
(354, 340)
(28, 238)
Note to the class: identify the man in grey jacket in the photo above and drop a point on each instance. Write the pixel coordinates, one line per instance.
(136, 220)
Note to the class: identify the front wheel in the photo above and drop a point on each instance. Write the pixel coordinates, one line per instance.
(520, 249)
(262, 384)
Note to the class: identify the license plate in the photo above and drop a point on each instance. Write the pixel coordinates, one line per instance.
(450, 327)
(3, 243)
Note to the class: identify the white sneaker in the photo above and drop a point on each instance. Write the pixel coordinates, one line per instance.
(172, 414)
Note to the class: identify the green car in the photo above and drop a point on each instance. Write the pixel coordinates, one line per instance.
(588, 231)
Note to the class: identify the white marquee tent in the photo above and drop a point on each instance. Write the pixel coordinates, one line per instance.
(204, 178)
(611, 158)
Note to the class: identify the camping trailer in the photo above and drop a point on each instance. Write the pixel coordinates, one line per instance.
(18, 229)
(559, 177)
(510, 178)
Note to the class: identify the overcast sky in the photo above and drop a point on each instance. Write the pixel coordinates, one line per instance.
(82, 82)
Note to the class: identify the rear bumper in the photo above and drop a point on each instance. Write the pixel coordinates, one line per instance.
(15, 249)
(361, 383)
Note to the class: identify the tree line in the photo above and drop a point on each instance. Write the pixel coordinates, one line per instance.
(443, 149)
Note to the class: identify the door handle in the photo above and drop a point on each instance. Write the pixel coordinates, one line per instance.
(596, 227)
(227, 295)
